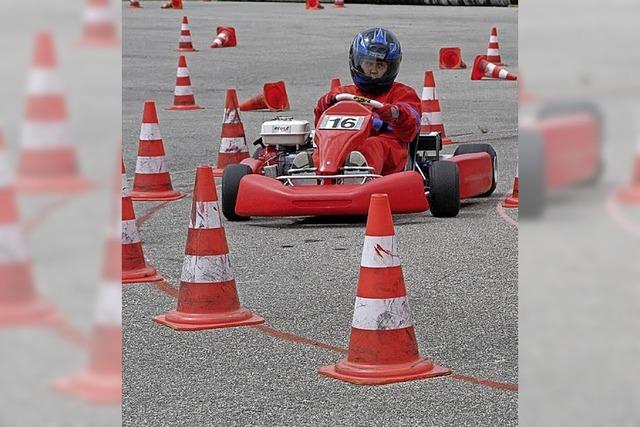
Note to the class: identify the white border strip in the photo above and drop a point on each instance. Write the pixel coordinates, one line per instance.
(12, 246)
(130, 232)
(381, 314)
(205, 215)
(153, 164)
(206, 269)
(380, 252)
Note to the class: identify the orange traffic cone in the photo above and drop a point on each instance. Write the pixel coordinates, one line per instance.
(273, 96)
(47, 160)
(483, 68)
(383, 347)
(493, 48)
(233, 144)
(185, 44)
(208, 298)
(152, 181)
(451, 58)
(513, 201)
(313, 4)
(631, 193)
(338, 3)
(225, 37)
(335, 83)
(134, 4)
(431, 115)
(99, 25)
(173, 4)
(19, 300)
(134, 268)
(183, 98)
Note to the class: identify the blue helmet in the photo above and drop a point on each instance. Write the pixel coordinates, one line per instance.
(379, 45)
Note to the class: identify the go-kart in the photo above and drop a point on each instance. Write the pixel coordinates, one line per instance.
(267, 184)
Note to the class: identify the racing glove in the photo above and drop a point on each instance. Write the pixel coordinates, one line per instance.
(389, 113)
(325, 102)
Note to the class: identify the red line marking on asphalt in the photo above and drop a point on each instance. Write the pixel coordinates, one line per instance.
(44, 213)
(148, 214)
(503, 213)
(167, 288)
(298, 339)
(68, 332)
(487, 383)
(613, 208)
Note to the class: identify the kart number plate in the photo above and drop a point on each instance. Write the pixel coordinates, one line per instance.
(342, 122)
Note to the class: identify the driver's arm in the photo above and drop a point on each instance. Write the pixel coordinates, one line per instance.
(404, 122)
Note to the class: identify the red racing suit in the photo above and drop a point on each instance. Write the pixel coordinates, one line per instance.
(386, 149)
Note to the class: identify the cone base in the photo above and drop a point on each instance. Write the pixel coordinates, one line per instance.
(198, 322)
(383, 374)
(34, 313)
(156, 196)
(147, 274)
(184, 107)
(92, 387)
(73, 184)
(511, 202)
(630, 195)
(185, 49)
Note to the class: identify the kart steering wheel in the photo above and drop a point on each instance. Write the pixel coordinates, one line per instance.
(360, 99)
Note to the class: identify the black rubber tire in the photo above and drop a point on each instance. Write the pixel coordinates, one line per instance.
(531, 174)
(444, 194)
(482, 148)
(230, 183)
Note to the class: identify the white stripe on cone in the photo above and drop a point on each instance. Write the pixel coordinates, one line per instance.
(185, 39)
(152, 164)
(109, 306)
(125, 186)
(97, 14)
(493, 39)
(380, 252)
(377, 314)
(433, 118)
(44, 134)
(206, 215)
(206, 269)
(231, 116)
(44, 81)
(149, 132)
(493, 52)
(428, 93)
(183, 90)
(12, 247)
(233, 145)
(503, 74)
(130, 232)
(184, 27)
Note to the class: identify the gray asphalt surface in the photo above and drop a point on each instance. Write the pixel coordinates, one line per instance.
(301, 274)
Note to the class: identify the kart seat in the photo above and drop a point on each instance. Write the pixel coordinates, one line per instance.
(429, 142)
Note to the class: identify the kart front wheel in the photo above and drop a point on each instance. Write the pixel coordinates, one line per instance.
(230, 184)
(444, 189)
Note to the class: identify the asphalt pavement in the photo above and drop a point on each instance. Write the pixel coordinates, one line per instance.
(300, 274)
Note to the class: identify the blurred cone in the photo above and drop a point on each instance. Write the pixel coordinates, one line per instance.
(338, 3)
(183, 98)
(134, 267)
(513, 200)
(99, 25)
(451, 58)
(19, 300)
(134, 4)
(152, 181)
(313, 4)
(233, 144)
(225, 37)
(208, 297)
(47, 161)
(383, 347)
(483, 68)
(335, 83)
(273, 96)
(493, 48)
(185, 44)
(173, 4)
(431, 120)
(631, 193)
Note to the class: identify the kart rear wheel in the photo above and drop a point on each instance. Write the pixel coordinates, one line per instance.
(482, 148)
(230, 183)
(444, 191)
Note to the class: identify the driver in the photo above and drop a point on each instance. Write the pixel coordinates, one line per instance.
(374, 60)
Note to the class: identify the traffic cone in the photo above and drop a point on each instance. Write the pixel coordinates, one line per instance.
(493, 48)
(208, 298)
(47, 160)
(513, 200)
(273, 97)
(451, 58)
(185, 44)
(134, 268)
(225, 37)
(313, 5)
(431, 115)
(383, 347)
(338, 4)
(183, 98)
(483, 68)
(233, 144)
(134, 4)
(19, 300)
(152, 181)
(99, 25)
(631, 193)
(173, 4)
(335, 83)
